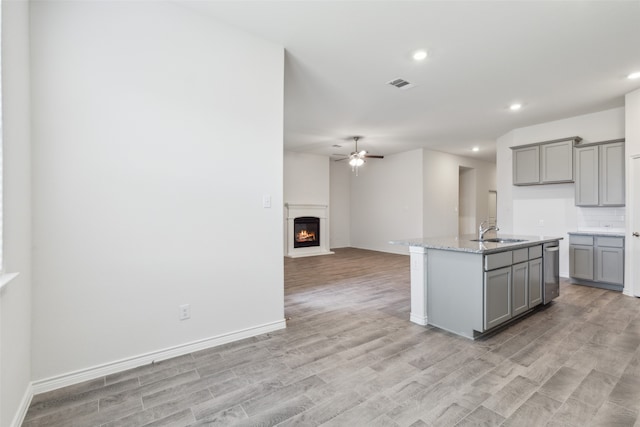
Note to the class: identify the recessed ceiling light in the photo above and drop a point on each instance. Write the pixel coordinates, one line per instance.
(515, 107)
(419, 55)
(634, 75)
(475, 149)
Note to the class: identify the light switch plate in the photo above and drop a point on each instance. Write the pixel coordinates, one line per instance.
(266, 201)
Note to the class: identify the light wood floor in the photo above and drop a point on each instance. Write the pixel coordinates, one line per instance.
(350, 357)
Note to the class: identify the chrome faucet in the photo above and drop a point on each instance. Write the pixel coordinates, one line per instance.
(482, 230)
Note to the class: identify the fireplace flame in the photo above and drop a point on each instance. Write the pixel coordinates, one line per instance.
(305, 236)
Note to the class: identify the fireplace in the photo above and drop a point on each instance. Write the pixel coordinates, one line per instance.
(306, 231)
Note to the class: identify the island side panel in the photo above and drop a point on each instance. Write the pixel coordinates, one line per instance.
(418, 256)
(455, 291)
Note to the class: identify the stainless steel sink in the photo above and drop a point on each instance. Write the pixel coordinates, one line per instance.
(499, 240)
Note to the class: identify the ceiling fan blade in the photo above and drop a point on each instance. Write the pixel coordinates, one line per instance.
(371, 156)
(339, 160)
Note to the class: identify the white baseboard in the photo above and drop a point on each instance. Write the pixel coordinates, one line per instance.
(59, 381)
(420, 320)
(21, 413)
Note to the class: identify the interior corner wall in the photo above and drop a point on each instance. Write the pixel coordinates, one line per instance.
(386, 202)
(553, 204)
(15, 298)
(441, 190)
(149, 171)
(340, 204)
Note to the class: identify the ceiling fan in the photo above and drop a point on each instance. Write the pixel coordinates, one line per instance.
(357, 158)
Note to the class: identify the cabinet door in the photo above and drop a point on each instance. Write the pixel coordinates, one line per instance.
(526, 166)
(535, 282)
(497, 297)
(520, 288)
(610, 265)
(612, 174)
(586, 187)
(557, 162)
(581, 262)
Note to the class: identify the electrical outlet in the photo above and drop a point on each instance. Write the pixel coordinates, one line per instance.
(541, 223)
(185, 311)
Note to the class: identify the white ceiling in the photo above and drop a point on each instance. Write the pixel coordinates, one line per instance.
(558, 58)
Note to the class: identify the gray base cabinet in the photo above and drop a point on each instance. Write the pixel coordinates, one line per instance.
(609, 266)
(599, 259)
(581, 262)
(535, 282)
(497, 297)
(520, 296)
(472, 293)
(512, 284)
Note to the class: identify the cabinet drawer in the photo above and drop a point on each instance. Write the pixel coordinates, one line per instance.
(535, 252)
(520, 255)
(610, 242)
(581, 240)
(501, 259)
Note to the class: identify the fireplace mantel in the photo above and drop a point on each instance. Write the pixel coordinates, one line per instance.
(296, 210)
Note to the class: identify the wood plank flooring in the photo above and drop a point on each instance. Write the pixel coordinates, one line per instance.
(350, 357)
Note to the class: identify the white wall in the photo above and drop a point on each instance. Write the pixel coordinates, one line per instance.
(15, 299)
(340, 204)
(306, 178)
(414, 194)
(149, 172)
(441, 191)
(386, 202)
(520, 209)
(632, 148)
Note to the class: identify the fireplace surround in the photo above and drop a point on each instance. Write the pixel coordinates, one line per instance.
(315, 239)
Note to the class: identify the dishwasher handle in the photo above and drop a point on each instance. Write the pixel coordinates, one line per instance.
(553, 249)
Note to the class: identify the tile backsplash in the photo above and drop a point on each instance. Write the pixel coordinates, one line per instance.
(601, 219)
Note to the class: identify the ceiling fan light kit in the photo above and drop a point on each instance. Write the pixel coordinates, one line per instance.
(357, 158)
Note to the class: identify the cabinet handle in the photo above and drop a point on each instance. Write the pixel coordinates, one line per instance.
(636, 234)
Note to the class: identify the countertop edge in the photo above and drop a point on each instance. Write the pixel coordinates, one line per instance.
(440, 244)
(597, 233)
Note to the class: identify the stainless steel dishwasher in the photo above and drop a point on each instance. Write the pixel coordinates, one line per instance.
(551, 271)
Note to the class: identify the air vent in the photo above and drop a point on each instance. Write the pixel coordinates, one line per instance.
(400, 84)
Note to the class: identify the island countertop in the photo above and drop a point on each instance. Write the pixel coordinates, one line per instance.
(465, 243)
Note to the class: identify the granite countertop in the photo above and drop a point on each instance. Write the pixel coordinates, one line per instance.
(464, 243)
(598, 233)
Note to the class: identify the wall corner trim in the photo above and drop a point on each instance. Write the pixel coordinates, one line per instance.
(59, 381)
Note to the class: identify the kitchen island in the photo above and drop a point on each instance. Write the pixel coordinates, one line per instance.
(471, 287)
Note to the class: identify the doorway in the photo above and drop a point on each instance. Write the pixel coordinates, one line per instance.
(466, 200)
(492, 213)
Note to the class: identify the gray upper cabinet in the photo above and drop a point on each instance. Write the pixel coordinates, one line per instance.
(600, 174)
(612, 174)
(587, 175)
(547, 162)
(526, 166)
(557, 162)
